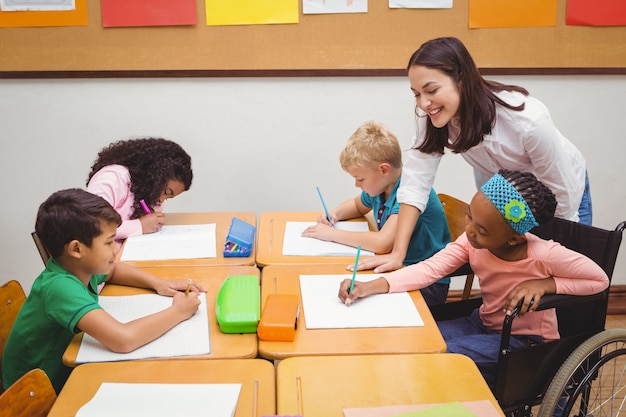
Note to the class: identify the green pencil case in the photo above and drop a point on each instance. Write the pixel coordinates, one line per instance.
(238, 304)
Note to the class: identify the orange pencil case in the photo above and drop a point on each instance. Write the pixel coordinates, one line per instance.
(279, 319)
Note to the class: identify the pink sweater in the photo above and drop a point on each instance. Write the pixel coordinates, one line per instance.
(113, 184)
(573, 273)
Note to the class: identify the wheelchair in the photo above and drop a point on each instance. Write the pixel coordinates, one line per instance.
(584, 372)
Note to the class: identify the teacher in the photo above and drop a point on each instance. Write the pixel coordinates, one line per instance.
(492, 125)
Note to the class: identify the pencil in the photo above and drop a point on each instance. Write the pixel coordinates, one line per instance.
(188, 286)
(356, 264)
(144, 206)
(323, 204)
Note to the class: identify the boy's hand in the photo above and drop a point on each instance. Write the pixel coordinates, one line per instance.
(171, 287)
(530, 292)
(361, 289)
(380, 263)
(319, 231)
(186, 304)
(323, 220)
(151, 223)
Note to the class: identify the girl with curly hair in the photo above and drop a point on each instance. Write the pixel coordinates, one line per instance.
(149, 170)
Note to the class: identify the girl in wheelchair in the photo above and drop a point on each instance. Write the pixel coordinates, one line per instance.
(514, 268)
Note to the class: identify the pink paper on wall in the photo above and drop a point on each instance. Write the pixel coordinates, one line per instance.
(148, 13)
(596, 13)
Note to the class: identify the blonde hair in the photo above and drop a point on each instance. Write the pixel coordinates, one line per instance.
(372, 143)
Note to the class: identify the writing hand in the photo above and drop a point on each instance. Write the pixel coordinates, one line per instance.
(151, 223)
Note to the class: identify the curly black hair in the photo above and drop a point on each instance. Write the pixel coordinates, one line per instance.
(539, 197)
(152, 162)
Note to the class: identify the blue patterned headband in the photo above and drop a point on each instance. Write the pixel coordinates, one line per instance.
(509, 203)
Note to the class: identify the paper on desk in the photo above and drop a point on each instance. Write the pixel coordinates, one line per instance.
(481, 408)
(324, 310)
(294, 244)
(162, 400)
(191, 337)
(185, 241)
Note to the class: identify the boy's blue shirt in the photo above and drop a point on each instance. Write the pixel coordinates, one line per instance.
(46, 324)
(430, 234)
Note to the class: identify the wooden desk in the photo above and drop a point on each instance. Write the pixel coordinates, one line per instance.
(85, 380)
(324, 386)
(222, 224)
(271, 233)
(286, 279)
(223, 346)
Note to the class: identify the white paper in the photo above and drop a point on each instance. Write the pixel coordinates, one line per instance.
(185, 241)
(34, 5)
(190, 337)
(333, 6)
(420, 4)
(162, 400)
(294, 244)
(324, 310)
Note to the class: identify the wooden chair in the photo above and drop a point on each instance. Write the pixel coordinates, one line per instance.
(30, 396)
(43, 252)
(11, 299)
(455, 210)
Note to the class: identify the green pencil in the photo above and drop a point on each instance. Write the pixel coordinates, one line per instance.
(356, 264)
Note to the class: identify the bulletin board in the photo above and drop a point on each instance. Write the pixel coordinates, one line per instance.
(378, 42)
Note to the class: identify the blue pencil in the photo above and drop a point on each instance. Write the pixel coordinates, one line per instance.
(356, 264)
(323, 204)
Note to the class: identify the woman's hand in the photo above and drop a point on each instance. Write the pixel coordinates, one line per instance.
(380, 263)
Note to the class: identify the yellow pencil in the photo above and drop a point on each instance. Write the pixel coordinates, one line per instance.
(188, 286)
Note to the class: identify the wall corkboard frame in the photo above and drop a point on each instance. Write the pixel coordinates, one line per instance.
(377, 43)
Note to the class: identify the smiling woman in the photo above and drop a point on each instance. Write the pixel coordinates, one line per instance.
(492, 126)
(127, 173)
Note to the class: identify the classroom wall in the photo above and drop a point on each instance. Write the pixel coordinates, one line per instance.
(259, 144)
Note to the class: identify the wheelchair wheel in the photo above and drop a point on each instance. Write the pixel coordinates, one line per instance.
(592, 381)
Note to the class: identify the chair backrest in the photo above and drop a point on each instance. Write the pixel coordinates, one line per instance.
(525, 374)
(11, 299)
(600, 245)
(455, 211)
(30, 396)
(43, 252)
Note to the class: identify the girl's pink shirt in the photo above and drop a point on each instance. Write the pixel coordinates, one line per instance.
(113, 184)
(573, 273)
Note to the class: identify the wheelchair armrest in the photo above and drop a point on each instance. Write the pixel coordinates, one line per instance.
(547, 302)
(561, 300)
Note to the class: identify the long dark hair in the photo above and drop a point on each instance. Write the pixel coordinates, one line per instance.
(477, 108)
(152, 162)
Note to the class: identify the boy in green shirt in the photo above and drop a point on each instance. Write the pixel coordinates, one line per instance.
(78, 229)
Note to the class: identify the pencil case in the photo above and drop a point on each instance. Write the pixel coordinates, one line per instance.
(238, 304)
(240, 239)
(279, 319)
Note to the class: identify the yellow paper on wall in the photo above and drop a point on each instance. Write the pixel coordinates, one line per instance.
(251, 12)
